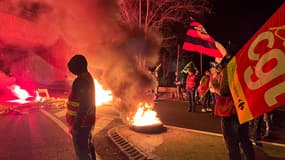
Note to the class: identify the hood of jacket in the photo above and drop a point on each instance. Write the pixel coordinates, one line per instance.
(77, 64)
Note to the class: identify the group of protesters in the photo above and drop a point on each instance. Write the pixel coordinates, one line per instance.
(212, 92)
(198, 87)
(213, 87)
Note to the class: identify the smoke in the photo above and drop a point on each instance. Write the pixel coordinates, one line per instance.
(92, 28)
(4, 82)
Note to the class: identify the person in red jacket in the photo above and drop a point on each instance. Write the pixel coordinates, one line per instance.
(81, 108)
(190, 88)
(236, 135)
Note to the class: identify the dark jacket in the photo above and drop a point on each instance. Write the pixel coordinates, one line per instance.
(83, 91)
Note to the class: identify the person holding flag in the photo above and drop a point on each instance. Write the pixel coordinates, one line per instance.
(191, 88)
(257, 73)
(203, 90)
(234, 133)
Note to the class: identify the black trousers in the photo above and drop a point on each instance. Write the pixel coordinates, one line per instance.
(235, 134)
(192, 103)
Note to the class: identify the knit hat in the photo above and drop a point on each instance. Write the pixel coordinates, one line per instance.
(77, 64)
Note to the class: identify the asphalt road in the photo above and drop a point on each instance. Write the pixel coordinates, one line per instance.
(174, 113)
(41, 133)
(33, 135)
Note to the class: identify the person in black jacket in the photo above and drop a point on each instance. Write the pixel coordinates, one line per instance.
(81, 108)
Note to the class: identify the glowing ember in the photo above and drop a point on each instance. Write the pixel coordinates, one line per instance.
(102, 96)
(145, 116)
(20, 93)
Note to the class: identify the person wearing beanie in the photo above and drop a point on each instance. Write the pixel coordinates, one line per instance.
(81, 109)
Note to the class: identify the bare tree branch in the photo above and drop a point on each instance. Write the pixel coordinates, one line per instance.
(164, 17)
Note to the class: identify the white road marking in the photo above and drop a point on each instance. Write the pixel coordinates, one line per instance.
(197, 131)
(61, 125)
(273, 144)
(57, 121)
(221, 135)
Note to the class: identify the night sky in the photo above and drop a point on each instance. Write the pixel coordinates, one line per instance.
(238, 20)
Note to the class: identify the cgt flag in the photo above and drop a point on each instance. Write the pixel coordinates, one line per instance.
(257, 74)
(198, 40)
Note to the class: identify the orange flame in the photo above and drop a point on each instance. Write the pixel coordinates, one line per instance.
(145, 116)
(102, 96)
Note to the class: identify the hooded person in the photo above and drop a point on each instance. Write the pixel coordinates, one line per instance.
(81, 108)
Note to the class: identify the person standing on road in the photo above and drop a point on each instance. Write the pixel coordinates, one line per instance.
(190, 88)
(178, 84)
(234, 133)
(214, 72)
(203, 91)
(81, 108)
(261, 128)
(257, 130)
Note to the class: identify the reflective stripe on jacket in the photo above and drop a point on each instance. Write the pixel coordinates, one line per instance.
(72, 107)
(71, 113)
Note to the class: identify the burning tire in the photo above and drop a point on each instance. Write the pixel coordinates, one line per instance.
(154, 128)
(145, 120)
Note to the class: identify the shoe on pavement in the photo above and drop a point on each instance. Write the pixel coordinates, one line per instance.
(209, 109)
(257, 143)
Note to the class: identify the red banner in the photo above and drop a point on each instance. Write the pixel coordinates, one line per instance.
(198, 40)
(257, 73)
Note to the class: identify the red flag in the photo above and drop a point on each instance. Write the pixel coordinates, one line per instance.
(198, 40)
(257, 74)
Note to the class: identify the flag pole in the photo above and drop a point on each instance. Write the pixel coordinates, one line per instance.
(177, 58)
(201, 62)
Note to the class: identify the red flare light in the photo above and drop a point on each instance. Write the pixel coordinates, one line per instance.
(20, 93)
